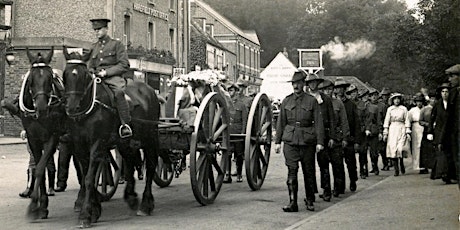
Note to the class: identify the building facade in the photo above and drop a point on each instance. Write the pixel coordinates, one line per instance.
(243, 43)
(156, 33)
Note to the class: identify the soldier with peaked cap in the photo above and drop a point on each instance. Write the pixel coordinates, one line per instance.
(452, 129)
(333, 154)
(361, 102)
(329, 122)
(300, 127)
(109, 61)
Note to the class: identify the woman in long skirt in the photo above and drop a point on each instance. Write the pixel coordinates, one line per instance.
(417, 131)
(396, 128)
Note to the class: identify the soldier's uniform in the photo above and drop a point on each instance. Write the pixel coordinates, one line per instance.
(110, 55)
(355, 138)
(373, 123)
(238, 121)
(361, 106)
(300, 127)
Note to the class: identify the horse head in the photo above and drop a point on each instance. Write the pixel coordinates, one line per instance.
(40, 81)
(76, 81)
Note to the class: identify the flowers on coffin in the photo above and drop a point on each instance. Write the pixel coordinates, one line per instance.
(210, 77)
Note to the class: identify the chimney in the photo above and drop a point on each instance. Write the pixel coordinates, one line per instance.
(285, 52)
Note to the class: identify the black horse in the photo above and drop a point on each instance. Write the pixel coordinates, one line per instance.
(89, 103)
(42, 115)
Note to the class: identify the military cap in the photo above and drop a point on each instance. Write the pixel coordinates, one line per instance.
(313, 77)
(351, 89)
(298, 76)
(455, 69)
(385, 91)
(326, 83)
(98, 23)
(373, 91)
(341, 83)
(363, 93)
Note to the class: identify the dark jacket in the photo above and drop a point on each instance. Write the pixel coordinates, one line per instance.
(329, 119)
(300, 121)
(108, 54)
(238, 116)
(373, 121)
(342, 129)
(354, 121)
(438, 122)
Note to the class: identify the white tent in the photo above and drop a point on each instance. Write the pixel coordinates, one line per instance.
(276, 76)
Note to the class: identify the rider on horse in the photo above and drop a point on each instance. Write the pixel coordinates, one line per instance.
(109, 60)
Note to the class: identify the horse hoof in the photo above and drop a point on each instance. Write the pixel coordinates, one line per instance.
(32, 212)
(141, 213)
(84, 224)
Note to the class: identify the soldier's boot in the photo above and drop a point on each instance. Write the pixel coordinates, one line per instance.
(228, 177)
(293, 188)
(51, 179)
(375, 167)
(30, 183)
(385, 162)
(403, 169)
(239, 168)
(125, 118)
(396, 165)
(362, 172)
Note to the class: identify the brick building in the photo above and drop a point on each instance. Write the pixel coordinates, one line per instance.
(153, 26)
(243, 43)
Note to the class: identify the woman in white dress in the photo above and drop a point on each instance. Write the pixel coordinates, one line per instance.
(396, 128)
(417, 131)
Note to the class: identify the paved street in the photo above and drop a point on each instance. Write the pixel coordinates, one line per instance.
(412, 201)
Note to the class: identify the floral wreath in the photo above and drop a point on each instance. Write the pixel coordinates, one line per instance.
(210, 77)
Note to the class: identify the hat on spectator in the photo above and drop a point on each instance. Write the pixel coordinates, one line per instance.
(98, 23)
(395, 95)
(444, 85)
(363, 93)
(241, 82)
(373, 91)
(419, 97)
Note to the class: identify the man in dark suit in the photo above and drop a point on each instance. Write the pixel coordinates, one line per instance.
(452, 129)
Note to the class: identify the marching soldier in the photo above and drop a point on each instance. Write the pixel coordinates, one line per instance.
(238, 121)
(333, 154)
(300, 127)
(109, 61)
(373, 123)
(383, 106)
(361, 102)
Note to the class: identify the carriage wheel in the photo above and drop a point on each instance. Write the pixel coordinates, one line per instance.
(209, 148)
(164, 173)
(108, 174)
(258, 141)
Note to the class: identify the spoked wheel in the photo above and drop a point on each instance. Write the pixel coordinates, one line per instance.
(209, 148)
(164, 173)
(108, 173)
(258, 141)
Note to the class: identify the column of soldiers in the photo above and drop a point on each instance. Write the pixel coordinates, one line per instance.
(333, 122)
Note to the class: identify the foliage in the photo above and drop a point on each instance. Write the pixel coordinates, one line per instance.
(153, 55)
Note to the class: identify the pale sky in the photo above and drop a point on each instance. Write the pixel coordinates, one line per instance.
(411, 3)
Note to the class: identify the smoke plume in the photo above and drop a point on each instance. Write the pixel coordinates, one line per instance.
(349, 51)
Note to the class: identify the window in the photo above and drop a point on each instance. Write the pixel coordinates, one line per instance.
(171, 40)
(172, 4)
(151, 36)
(126, 28)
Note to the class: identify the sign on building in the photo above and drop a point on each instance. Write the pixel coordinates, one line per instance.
(178, 71)
(310, 60)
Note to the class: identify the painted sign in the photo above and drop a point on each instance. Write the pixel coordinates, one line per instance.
(150, 11)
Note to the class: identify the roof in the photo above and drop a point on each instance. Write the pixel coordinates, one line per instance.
(211, 40)
(350, 79)
(224, 21)
(252, 34)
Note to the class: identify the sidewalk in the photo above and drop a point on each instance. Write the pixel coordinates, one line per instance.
(11, 141)
(410, 201)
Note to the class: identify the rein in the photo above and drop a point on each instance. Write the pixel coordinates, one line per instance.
(53, 98)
